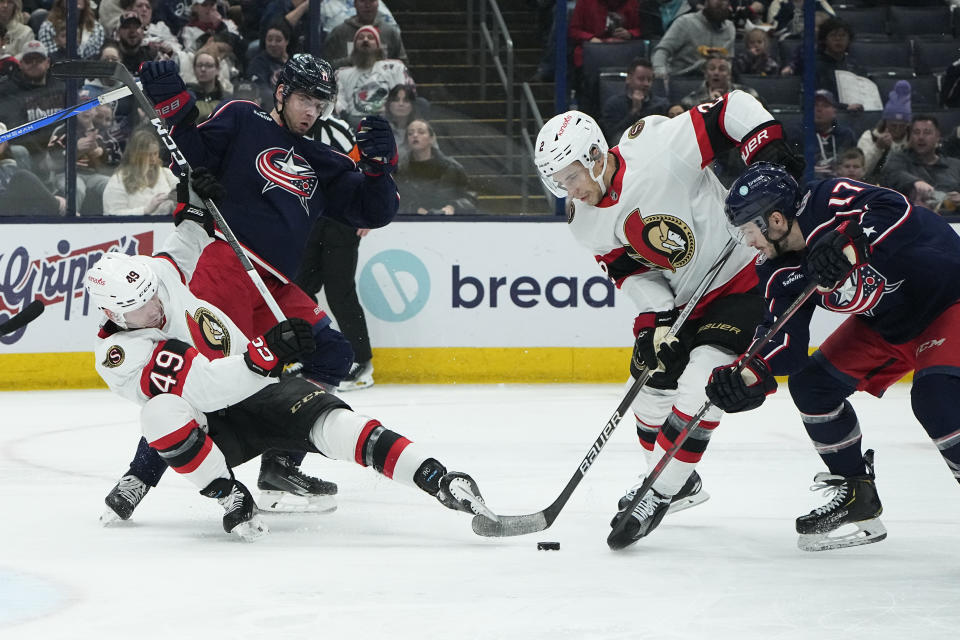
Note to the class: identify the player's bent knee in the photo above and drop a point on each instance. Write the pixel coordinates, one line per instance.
(815, 391)
(336, 433)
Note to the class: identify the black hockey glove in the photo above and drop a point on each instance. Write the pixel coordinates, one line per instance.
(377, 146)
(163, 85)
(735, 391)
(280, 345)
(767, 143)
(836, 254)
(186, 211)
(652, 350)
(206, 185)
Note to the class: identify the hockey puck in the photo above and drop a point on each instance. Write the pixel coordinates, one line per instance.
(548, 546)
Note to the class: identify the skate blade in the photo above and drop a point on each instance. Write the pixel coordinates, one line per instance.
(355, 386)
(866, 532)
(690, 501)
(251, 530)
(283, 502)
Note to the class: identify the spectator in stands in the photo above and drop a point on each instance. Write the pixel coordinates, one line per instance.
(787, 16)
(430, 182)
(157, 35)
(333, 13)
(292, 12)
(336, 47)
(207, 89)
(97, 157)
(59, 52)
(400, 112)
(91, 35)
(757, 57)
(684, 48)
(675, 110)
(832, 137)
(363, 86)
(890, 134)
(851, 164)
(637, 101)
(950, 86)
(30, 93)
(717, 80)
(21, 192)
(141, 184)
(130, 34)
(921, 173)
(602, 21)
(206, 21)
(656, 16)
(8, 61)
(833, 54)
(264, 67)
(174, 13)
(124, 109)
(18, 33)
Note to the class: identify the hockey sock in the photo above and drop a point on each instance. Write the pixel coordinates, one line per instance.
(647, 434)
(691, 451)
(933, 397)
(836, 437)
(170, 425)
(147, 464)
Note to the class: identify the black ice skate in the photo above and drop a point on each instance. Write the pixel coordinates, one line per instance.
(359, 377)
(454, 490)
(855, 503)
(240, 511)
(640, 522)
(123, 499)
(285, 488)
(690, 495)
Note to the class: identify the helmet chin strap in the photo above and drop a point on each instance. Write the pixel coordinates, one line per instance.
(599, 179)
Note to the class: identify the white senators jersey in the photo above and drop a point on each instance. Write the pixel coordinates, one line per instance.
(661, 225)
(197, 354)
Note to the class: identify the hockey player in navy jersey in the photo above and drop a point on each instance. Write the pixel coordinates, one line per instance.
(212, 398)
(895, 268)
(271, 183)
(651, 215)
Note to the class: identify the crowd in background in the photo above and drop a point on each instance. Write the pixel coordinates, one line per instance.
(225, 50)
(723, 45)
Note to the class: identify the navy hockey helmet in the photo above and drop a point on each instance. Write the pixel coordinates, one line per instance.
(311, 75)
(762, 189)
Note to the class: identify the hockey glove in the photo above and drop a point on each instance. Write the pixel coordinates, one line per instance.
(283, 343)
(163, 85)
(665, 357)
(377, 146)
(831, 260)
(206, 185)
(734, 391)
(767, 143)
(186, 211)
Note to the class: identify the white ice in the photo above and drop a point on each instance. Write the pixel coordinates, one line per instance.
(392, 563)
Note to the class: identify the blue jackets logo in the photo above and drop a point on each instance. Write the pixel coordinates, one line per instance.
(394, 285)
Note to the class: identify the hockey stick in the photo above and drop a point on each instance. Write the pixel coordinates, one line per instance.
(104, 98)
(30, 313)
(115, 70)
(694, 422)
(508, 526)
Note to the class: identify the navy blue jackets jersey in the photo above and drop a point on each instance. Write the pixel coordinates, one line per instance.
(912, 275)
(277, 183)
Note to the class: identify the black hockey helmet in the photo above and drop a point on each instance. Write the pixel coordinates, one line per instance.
(311, 75)
(762, 189)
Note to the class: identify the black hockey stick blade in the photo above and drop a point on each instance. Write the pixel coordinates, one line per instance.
(89, 69)
(30, 313)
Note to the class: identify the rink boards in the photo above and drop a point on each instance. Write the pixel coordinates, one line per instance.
(446, 301)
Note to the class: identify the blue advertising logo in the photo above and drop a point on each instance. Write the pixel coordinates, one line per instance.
(394, 285)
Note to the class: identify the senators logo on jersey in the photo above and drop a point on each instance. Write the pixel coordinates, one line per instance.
(660, 240)
(287, 170)
(208, 333)
(115, 357)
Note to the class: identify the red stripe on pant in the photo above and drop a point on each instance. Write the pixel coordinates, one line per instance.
(175, 437)
(391, 462)
(362, 440)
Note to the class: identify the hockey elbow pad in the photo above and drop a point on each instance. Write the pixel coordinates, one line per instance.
(767, 143)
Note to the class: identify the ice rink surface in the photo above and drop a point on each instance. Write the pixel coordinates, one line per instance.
(392, 563)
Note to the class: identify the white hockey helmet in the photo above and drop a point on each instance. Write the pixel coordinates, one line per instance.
(119, 283)
(565, 139)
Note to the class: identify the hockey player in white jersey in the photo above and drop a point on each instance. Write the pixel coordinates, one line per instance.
(212, 399)
(653, 218)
